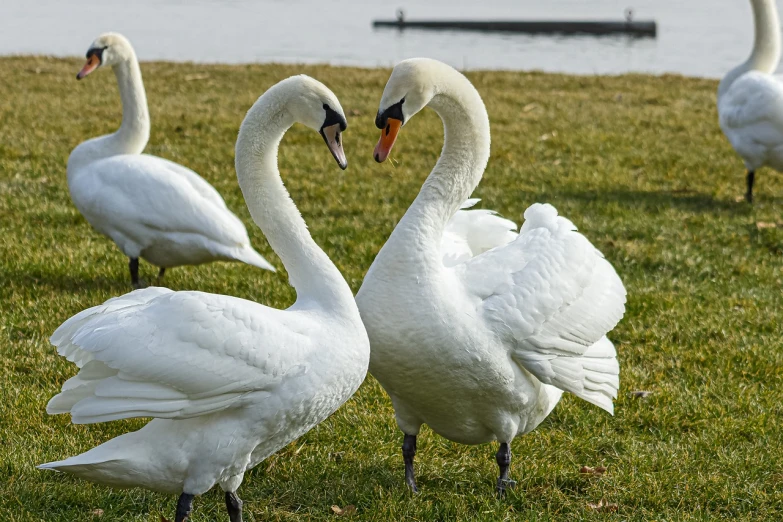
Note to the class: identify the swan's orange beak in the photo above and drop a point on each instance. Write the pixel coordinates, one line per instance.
(92, 63)
(388, 137)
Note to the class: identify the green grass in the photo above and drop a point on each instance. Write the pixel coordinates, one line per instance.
(637, 162)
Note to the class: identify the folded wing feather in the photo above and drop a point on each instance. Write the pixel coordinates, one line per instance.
(552, 297)
(158, 353)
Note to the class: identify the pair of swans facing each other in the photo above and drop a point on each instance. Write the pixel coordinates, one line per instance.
(475, 329)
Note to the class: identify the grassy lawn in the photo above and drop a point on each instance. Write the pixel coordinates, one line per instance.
(637, 162)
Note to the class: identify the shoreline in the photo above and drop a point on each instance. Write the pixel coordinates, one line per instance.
(346, 65)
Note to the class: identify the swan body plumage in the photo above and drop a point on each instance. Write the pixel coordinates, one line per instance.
(750, 98)
(152, 208)
(476, 329)
(160, 211)
(226, 381)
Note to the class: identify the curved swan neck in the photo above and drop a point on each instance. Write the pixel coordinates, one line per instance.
(134, 132)
(463, 158)
(766, 43)
(310, 270)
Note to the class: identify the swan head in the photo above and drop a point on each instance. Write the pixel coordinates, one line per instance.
(313, 104)
(108, 49)
(298, 99)
(412, 85)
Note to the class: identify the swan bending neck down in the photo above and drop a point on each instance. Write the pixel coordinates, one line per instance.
(749, 98)
(309, 268)
(227, 381)
(480, 343)
(150, 207)
(466, 141)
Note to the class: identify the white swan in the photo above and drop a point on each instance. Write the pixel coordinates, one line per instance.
(482, 350)
(228, 381)
(150, 207)
(750, 98)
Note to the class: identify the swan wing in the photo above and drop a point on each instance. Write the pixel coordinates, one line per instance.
(198, 183)
(471, 232)
(143, 195)
(552, 297)
(751, 111)
(174, 355)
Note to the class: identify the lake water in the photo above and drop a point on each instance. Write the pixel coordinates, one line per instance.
(695, 37)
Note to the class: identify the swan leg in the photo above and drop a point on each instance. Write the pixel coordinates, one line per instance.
(184, 506)
(750, 179)
(161, 272)
(408, 452)
(133, 265)
(234, 506)
(503, 458)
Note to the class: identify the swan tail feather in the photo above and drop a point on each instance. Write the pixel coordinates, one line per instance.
(597, 378)
(249, 256)
(121, 462)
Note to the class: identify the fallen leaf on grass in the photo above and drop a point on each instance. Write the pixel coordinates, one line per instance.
(765, 224)
(97, 512)
(193, 77)
(640, 394)
(337, 456)
(529, 107)
(596, 471)
(603, 507)
(347, 510)
(739, 199)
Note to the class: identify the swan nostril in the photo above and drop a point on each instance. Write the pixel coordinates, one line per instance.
(377, 157)
(337, 138)
(388, 129)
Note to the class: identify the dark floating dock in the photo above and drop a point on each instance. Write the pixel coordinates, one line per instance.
(597, 27)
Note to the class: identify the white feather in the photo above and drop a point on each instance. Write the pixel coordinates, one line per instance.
(472, 232)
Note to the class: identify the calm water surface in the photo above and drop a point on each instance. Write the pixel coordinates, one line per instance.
(695, 37)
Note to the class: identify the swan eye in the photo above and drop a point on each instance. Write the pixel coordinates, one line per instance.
(97, 52)
(393, 111)
(333, 118)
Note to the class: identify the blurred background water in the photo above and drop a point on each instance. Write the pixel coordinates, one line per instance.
(695, 37)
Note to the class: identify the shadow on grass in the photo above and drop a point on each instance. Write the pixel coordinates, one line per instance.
(766, 239)
(36, 277)
(654, 200)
